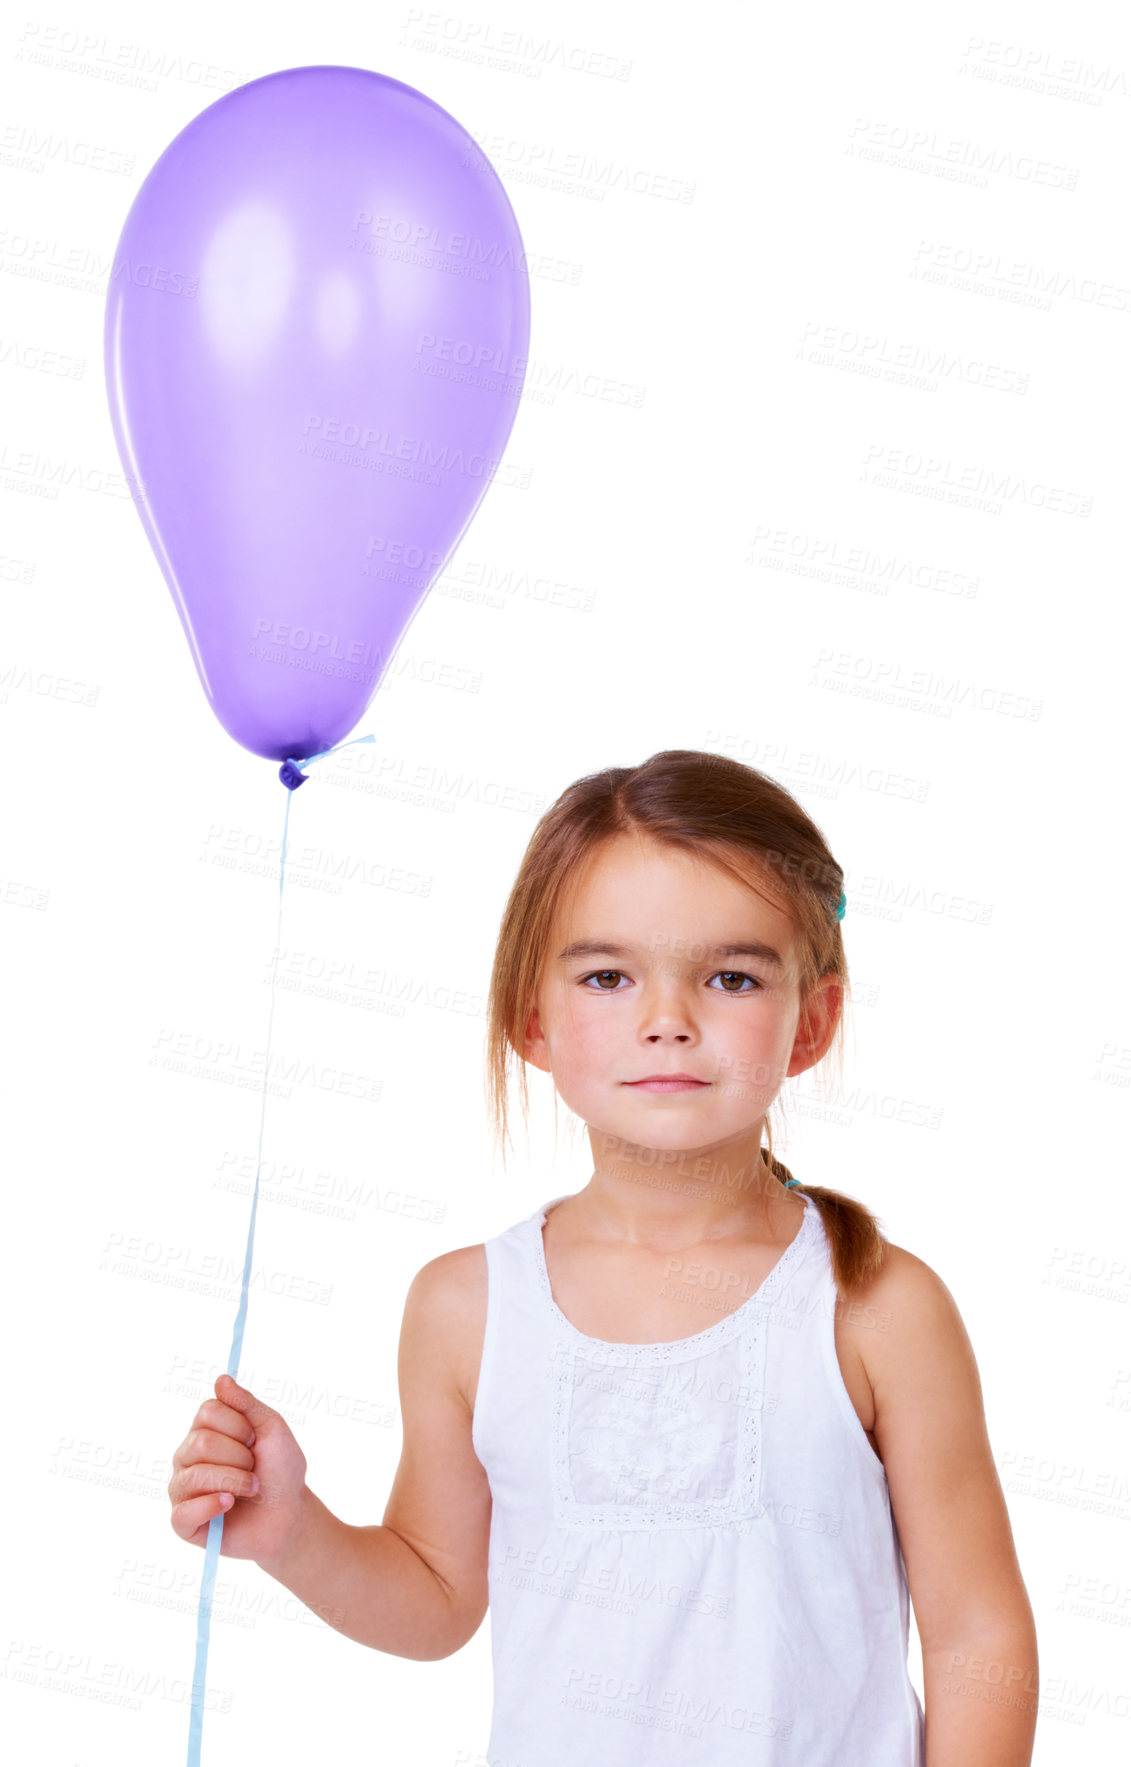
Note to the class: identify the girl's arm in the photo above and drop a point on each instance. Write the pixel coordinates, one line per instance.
(415, 1586)
(980, 1670)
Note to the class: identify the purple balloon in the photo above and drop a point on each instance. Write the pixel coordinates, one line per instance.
(316, 339)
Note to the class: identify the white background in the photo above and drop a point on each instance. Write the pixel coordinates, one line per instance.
(844, 169)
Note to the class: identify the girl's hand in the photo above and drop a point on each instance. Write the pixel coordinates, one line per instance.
(239, 1459)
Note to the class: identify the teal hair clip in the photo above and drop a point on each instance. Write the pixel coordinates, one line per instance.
(840, 907)
(790, 1182)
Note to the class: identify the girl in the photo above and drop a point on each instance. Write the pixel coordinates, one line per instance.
(697, 1431)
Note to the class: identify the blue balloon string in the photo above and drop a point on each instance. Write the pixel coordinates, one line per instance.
(216, 1525)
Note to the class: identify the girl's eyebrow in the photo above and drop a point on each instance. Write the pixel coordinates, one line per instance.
(600, 948)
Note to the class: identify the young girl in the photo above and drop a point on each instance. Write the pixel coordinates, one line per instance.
(695, 1431)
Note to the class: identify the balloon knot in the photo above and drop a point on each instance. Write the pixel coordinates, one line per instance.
(291, 777)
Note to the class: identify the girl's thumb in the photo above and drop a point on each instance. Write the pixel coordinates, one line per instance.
(240, 1399)
(232, 1393)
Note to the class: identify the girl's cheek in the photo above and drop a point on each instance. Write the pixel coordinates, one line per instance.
(584, 1039)
(589, 1042)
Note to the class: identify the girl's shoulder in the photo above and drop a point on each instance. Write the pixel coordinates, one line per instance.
(904, 1326)
(900, 1313)
(901, 1280)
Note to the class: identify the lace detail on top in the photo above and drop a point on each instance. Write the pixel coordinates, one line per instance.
(660, 1435)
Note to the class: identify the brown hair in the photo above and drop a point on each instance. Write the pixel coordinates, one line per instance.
(722, 811)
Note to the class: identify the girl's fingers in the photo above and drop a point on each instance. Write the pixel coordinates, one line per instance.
(212, 1445)
(196, 1512)
(194, 1481)
(214, 1414)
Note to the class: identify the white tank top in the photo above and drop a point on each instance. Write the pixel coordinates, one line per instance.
(692, 1553)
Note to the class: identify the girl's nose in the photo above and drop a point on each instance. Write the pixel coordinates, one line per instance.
(669, 1019)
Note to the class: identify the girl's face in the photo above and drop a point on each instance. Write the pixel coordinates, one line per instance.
(644, 977)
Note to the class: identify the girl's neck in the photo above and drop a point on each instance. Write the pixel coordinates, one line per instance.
(672, 1205)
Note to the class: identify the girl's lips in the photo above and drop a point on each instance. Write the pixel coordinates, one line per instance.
(667, 1083)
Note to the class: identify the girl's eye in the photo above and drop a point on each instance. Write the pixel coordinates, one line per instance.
(733, 975)
(738, 975)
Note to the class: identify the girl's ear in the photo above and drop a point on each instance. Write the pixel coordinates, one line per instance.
(534, 1048)
(817, 1025)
